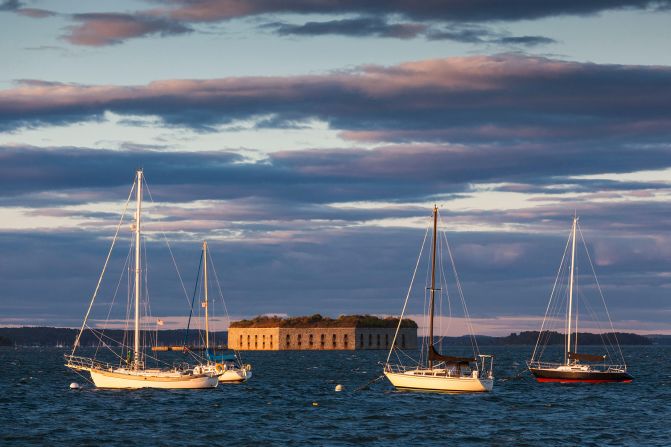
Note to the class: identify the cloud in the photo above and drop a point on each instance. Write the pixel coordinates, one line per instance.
(379, 27)
(390, 172)
(358, 27)
(468, 33)
(504, 99)
(431, 10)
(99, 29)
(10, 5)
(371, 18)
(35, 13)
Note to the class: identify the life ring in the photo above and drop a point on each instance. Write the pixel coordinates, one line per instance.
(219, 368)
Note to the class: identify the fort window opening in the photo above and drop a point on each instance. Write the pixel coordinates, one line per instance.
(310, 341)
(345, 340)
(386, 340)
(323, 340)
(361, 340)
(299, 339)
(334, 340)
(370, 339)
(378, 340)
(288, 340)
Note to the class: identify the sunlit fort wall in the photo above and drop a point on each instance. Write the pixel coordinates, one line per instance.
(319, 337)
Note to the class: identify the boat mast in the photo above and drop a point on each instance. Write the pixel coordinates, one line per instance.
(138, 209)
(433, 282)
(570, 293)
(207, 327)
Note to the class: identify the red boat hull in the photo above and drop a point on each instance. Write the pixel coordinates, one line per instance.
(542, 379)
(544, 375)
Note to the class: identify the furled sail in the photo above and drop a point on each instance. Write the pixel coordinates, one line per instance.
(434, 355)
(586, 357)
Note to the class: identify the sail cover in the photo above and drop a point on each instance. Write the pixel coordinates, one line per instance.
(220, 357)
(434, 355)
(586, 357)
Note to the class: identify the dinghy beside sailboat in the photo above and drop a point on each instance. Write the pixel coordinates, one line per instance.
(227, 366)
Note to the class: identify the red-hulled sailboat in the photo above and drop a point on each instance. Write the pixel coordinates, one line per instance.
(576, 367)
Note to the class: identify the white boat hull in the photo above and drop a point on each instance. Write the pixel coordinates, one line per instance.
(235, 375)
(228, 374)
(148, 379)
(460, 384)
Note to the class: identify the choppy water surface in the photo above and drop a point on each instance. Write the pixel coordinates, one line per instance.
(276, 406)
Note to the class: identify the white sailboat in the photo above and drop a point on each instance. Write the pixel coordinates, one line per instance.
(132, 372)
(440, 372)
(227, 367)
(576, 367)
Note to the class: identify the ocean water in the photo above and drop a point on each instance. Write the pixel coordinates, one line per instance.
(277, 406)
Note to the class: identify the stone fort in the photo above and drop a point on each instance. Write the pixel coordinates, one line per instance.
(348, 332)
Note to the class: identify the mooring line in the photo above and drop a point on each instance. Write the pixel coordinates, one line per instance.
(369, 383)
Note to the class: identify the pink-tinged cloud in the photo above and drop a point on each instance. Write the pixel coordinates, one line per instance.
(491, 99)
(35, 13)
(448, 10)
(99, 29)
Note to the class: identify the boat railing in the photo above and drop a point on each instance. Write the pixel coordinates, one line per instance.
(601, 366)
(85, 363)
(395, 368)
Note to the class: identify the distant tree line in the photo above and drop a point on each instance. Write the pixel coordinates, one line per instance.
(553, 338)
(50, 336)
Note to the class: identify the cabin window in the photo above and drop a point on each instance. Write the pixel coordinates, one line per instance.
(370, 339)
(310, 341)
(323, 340)
(345, 340)
(403, 340)
(288, 340)
(334, 340)
(361, 340)
(378, 340)
(386, 340)
(300, 336)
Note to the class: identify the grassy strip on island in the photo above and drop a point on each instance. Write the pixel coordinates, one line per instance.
(316, 320)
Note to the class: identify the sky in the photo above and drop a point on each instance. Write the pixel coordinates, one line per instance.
(308, 141)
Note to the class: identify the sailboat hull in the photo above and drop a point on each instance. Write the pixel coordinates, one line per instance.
(163, 380)
(235, 376)
(555, 375)
(417, 380)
